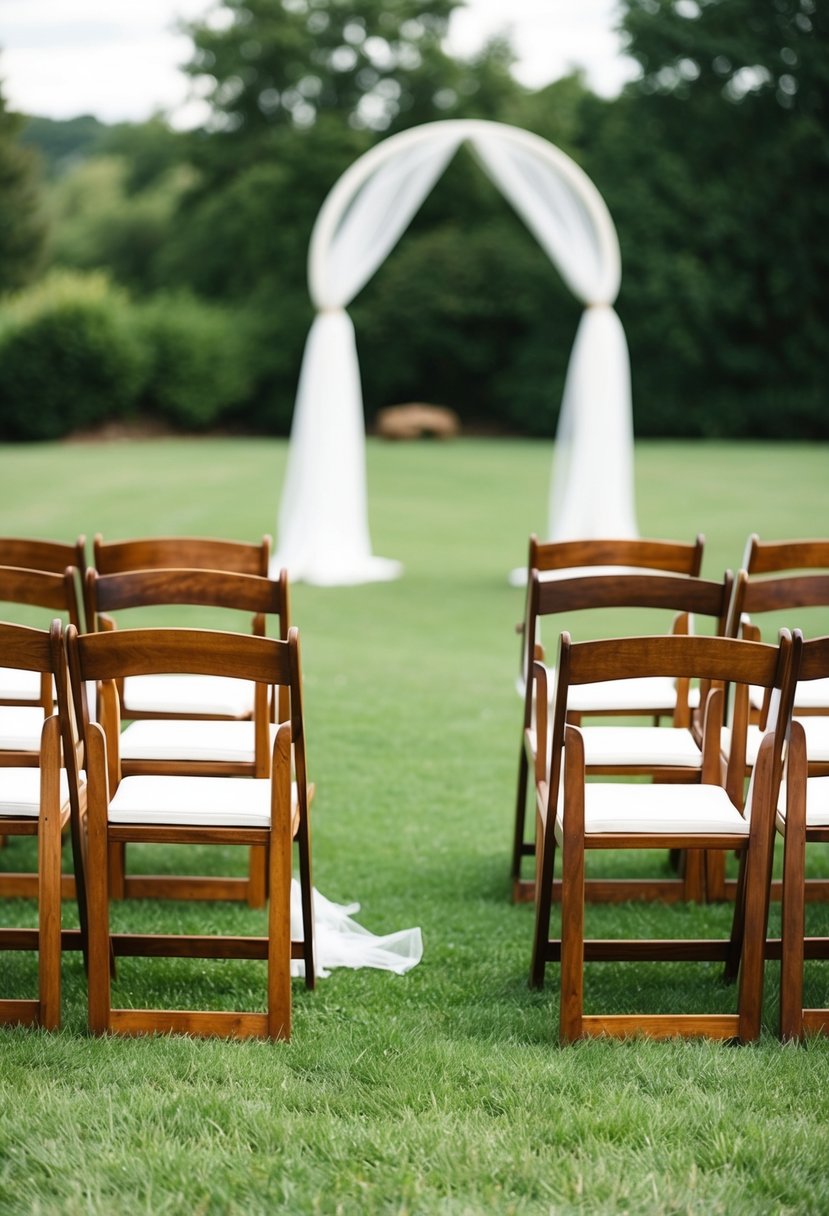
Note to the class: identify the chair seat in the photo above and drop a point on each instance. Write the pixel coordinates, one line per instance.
(188, 695)
(19, 685)
(193, 801)
(20, 728)
(20, 791)
(817, 737)
(810, 694)
(151, 739)
(668, 810)
(817, 803)
(639, 746)
(817, 740)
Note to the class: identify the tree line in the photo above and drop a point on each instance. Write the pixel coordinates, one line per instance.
(148, 270)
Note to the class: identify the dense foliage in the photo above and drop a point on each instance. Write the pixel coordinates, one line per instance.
(714, 164)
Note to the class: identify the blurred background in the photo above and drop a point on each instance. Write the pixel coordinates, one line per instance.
(159, 183)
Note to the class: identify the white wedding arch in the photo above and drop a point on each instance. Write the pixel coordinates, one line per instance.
(323, 533)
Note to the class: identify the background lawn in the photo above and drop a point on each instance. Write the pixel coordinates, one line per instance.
(443, 1091)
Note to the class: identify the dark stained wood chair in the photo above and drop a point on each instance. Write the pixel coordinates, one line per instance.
(186, 745)
(42, 802)
(51, 556)
(267, 812)
(25, 587)
(578, 817)
(569, 559)
(783, 598)
(667, 753)
(172, 698)
(802, 820)
(780, 578)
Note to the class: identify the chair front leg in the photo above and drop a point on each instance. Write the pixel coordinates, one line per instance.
(572, 890)
(793, 910)
(49, 866)
(98, 883)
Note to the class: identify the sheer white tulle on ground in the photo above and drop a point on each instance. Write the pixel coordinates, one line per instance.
(323, 519)
(341, 942)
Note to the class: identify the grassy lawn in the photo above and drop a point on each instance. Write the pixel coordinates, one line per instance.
(443, 1091)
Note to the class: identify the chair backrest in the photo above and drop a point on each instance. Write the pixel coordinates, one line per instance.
(683, 594)
(191, 552)
(111, 656)
(50, 555)
(43, 651)
(813, 663)
(676, 557)
(782, 593)
(773, 556)
(266, 598)
(718, 662)
(40, 589)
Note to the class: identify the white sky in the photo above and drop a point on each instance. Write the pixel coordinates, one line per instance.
(120, 59)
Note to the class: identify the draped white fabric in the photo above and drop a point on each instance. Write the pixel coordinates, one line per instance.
(339, 941)
(323, 521)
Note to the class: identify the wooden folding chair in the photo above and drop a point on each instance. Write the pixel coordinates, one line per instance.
(51, 556)
(172, 698)
(667, 753)
(190, 810)
(782, 577)
(184, 744)
(569, 559)
(783, 597)
(578, 817)
(802, 819)
(41, 802)
(23, 589)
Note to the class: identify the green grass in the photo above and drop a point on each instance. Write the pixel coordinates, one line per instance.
(443, 1091)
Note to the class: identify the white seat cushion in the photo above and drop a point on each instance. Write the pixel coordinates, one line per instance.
(658, 746)
(664, 809)
(812, 694)
(17, 685)
(188, 695)
(666, 746)
(817, 803)
(817, 737)
(20, 728)
(193, 801)
(20, 791)
(151, 739)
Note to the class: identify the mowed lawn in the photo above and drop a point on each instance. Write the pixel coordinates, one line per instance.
(444, 1091)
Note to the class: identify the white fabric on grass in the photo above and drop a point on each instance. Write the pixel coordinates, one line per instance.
(341, 942)
(323, 517)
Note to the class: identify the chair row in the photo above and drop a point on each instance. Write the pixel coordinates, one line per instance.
(79, 781)
(178, 724)
(570, 578)
(702, 819)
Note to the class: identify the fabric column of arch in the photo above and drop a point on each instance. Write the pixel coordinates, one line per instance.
(323, 520)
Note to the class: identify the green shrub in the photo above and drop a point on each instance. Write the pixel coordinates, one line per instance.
(199, 368)
(69, 357)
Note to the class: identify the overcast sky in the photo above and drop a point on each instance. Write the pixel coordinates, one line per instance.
(120, 59)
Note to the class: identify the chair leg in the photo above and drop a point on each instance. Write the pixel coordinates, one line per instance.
(258, 872)
(307, 900)
(117, 865)
(98, 890)
(49, 865)
(756, 904)
(545, 857)
(572, 893)
(794, 888)
(520, 817)
(735, 945)
(693, 877)
(279, 908)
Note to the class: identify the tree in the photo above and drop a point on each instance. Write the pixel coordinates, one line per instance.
(23, 225)
(715, 166)
(298, 89)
